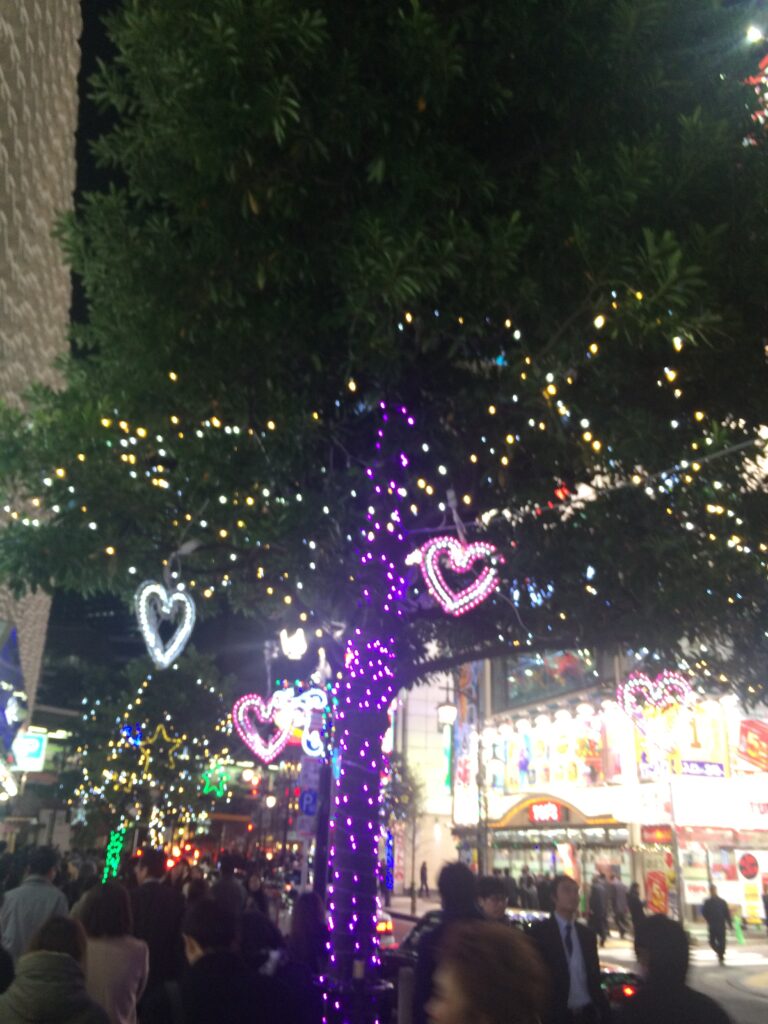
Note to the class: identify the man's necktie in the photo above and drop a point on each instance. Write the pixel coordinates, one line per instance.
(568, 941)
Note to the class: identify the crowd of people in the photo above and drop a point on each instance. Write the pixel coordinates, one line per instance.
(172, 943)
(152, 946)
(476, 965)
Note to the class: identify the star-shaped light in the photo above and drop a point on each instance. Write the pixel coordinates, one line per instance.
(174, 742)
(215, 780)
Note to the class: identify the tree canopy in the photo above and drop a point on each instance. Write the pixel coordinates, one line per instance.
(540, 226)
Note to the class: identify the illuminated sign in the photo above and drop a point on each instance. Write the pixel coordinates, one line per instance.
(29, 751)
(753, 743)
(708, 769)
(656, 834)
(545, 812)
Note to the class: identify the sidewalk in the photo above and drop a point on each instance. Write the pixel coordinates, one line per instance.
(753, 984)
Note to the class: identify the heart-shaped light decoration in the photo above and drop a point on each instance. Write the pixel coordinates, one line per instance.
(640, 695)
(286, 710)
(451, 553)
(154, 604)
(278, 710)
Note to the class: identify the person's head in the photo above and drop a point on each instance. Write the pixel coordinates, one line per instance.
(456, 885)
(565, 896)
(662, 950)
(60, 935)
(227, 865)
(254, 882)
(713, 890)
(635, 888)
(151, 864)
(107, 911)
(492, 897)
(487, 974)
(44, 861)
(179, 872)
(207, 927)
(196, 889)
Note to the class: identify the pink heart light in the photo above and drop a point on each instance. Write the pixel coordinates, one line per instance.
(459, 558)
(640, 694)
(252, 707)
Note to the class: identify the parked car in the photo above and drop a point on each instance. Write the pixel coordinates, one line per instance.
(385, 931)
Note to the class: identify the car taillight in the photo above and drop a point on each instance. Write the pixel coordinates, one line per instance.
(628, 991)
(383, 927)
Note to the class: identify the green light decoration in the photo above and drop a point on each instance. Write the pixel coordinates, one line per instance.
(113, 854)
(215, 780)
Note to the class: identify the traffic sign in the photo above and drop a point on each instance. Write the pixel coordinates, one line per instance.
(308, 802)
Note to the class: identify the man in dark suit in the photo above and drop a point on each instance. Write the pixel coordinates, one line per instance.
(569, 950)
(157, 914)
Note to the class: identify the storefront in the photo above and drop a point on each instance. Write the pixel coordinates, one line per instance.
(675, 799)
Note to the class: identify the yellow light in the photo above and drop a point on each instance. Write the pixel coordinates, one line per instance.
(80, 457)
(507, 323)
(288, 599)
(473, 458)
(141, 431)
(670, 374)
(599, 321)
(106, 421)
(270, 424)
(215, 422)
(510, 439)
(303, 616)
(594, 348)
(587, 435)
(677, 344)
(352, 385)
(315, 415)
(241, 524)
(639, 296)
(409, 318)
(421, 482)
(467, 499)
(174, 420)
(430, 489)
(491, 410)
(698, 416)
(523, 375)
(270, 591)
(109, 550)
(123, 424)
(249, 500)
(172, 375)
(597, 445)
(61, 472)
(461, 319)
(551, 389)
(223, 533)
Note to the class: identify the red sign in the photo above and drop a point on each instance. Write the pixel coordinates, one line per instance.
(656, 834)
(656, 892)
(545, 812)
(748, 866)
(753, 743)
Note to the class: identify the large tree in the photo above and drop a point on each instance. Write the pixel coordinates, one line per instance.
(540, 227)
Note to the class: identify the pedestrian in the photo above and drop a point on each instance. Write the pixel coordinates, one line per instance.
(117, 964)
(598, 908)
(178, 874)
(217, 985)
(513, 893)
(49, 987)
(229, 891)
(717, 914)
(544, 893)
(569, 951)
(487, 973)
(619, 904)
(456, 886)
(256, 898)
(29, 906)
(157, 912)
(423, 881)
(636, 907)
(663, 954)
(530, 893)
(492, 898)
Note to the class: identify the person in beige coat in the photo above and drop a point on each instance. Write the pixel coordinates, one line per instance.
(117, 964)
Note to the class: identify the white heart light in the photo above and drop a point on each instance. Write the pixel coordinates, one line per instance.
(155, 605)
